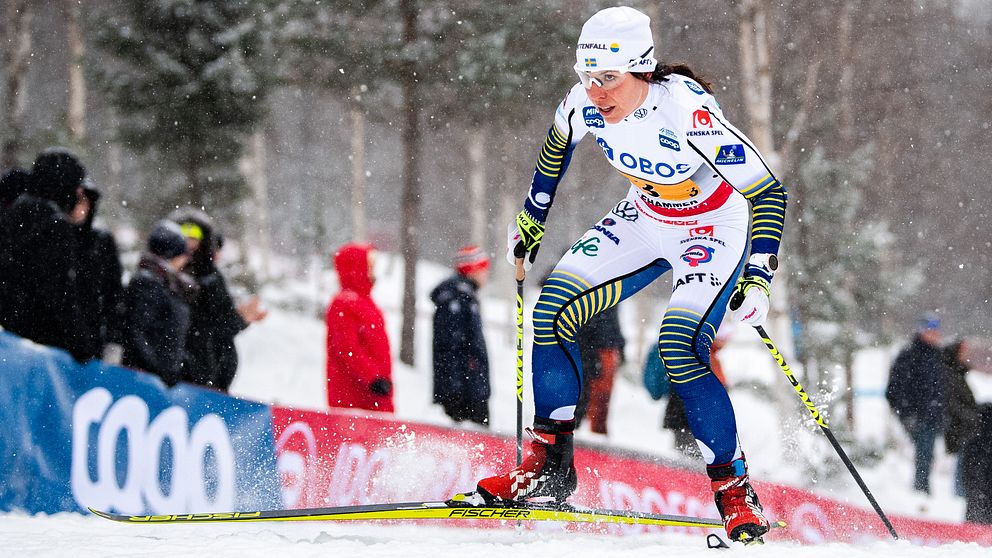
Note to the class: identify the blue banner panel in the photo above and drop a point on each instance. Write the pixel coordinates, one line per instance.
(111, 438)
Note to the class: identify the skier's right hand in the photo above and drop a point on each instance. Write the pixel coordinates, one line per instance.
(524, 239)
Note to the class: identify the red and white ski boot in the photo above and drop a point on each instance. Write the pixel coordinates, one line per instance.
(547, 472)
(738, 503)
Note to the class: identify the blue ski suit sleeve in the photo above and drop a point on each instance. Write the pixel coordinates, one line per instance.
(555, 155)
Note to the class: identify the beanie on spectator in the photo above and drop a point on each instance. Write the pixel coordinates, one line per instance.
(56, 174)
(13, 183)
(470, 258)
(928, 321)
(166, 240)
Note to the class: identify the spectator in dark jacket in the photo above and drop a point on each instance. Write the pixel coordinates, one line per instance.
(13, 183)
(359, 365)
(601, 346)
(215, 320)
(461, 362)
(157, 306)
(101, 294)
(39, 258)
(961, 409)
(977, 469)
(917, 393)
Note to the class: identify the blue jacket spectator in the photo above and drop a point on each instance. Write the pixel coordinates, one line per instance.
(917, 394)
(461, 363)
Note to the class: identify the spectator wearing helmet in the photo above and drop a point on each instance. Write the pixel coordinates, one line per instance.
(39, 256)
(157, 306)
(215, 319)
(461, 362)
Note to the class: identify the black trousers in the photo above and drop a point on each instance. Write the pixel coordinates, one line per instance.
(471, 410)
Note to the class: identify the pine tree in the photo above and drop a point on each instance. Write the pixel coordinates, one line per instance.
(188, 80)
(835, 263)
(453, 62)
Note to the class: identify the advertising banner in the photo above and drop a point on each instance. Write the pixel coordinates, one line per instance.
(340, 458)
(120, 440)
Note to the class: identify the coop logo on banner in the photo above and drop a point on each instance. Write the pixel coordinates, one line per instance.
(125, 460)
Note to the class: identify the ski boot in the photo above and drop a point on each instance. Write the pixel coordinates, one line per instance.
(737, 502)
(547, 472)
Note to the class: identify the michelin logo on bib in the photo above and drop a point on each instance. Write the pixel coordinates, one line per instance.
(730, 155)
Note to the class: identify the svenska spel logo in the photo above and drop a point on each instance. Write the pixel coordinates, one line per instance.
(697, 254)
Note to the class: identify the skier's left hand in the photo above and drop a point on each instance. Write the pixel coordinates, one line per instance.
(749, 303)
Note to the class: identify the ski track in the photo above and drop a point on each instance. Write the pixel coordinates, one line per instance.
(68, 534)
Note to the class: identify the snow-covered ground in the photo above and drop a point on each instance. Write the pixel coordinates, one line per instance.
(89, 537)
(282, 362)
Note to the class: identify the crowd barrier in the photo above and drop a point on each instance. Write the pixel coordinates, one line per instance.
(94, 435)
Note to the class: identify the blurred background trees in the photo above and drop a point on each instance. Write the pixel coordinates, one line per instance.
(414, 124)
(188, 82)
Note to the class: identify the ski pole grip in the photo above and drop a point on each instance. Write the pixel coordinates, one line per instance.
(521, 272)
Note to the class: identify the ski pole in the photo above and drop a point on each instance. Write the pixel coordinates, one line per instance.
(521, 273)
(822, 421)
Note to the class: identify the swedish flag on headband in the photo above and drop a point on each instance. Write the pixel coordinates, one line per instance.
(590, 62)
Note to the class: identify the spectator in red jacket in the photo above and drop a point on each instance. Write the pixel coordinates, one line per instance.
(359, 367)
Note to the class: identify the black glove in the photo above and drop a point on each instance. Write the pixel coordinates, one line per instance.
(381, 386)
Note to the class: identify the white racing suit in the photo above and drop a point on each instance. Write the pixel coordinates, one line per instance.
(692, 177)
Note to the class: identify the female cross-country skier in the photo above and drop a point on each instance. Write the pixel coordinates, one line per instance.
(696, 182)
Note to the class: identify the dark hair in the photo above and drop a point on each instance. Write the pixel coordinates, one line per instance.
(662, 72)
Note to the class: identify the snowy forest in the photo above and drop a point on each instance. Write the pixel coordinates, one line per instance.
(415, 124)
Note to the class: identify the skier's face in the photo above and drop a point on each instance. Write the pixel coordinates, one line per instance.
(616, 95)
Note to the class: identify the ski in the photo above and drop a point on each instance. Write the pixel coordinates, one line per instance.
(458, 508)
